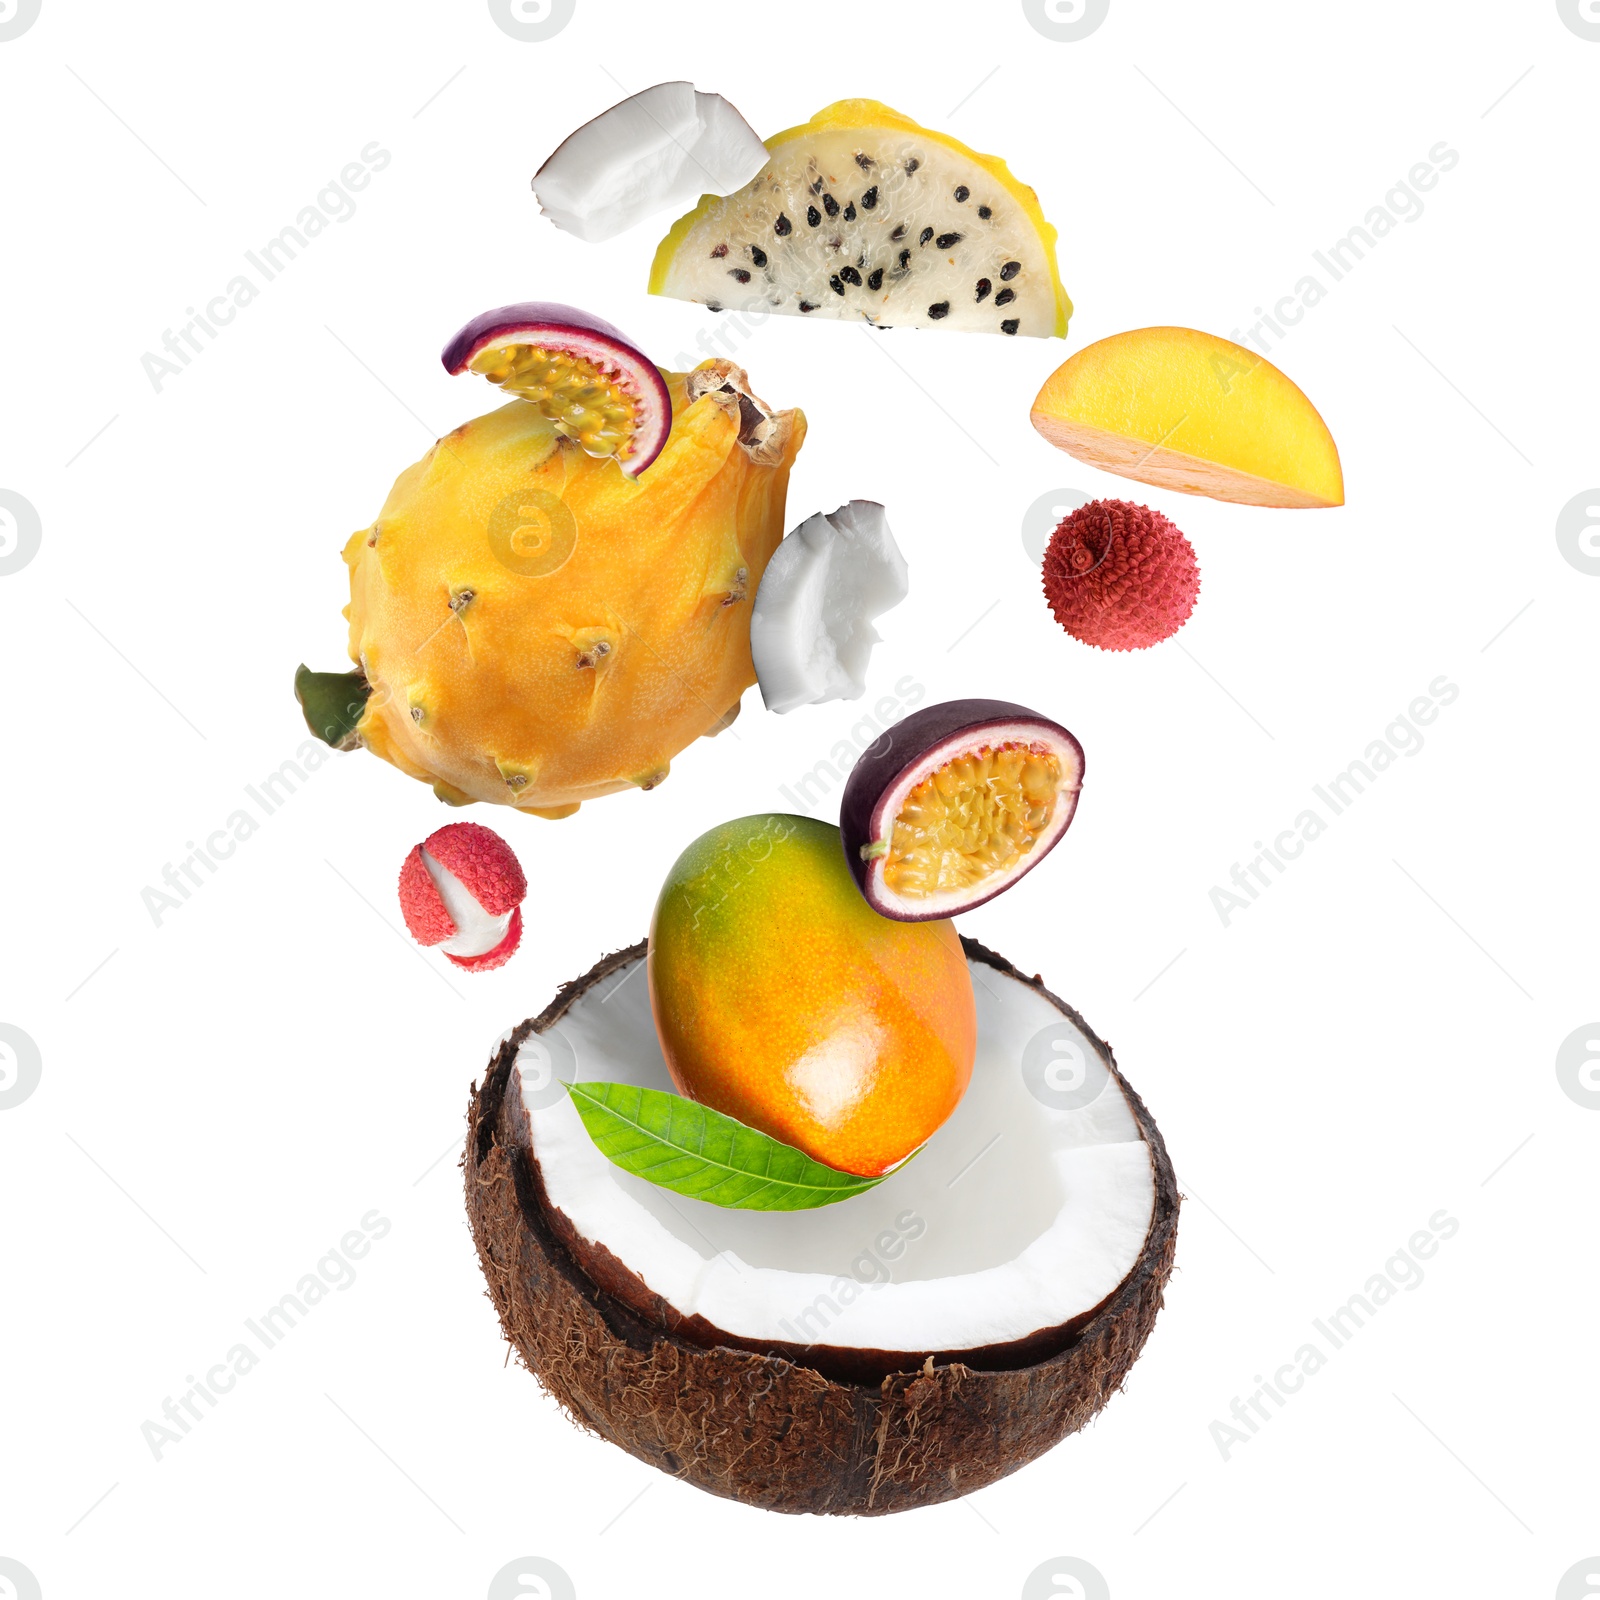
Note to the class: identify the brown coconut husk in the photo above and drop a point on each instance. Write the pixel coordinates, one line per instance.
(769, 1426)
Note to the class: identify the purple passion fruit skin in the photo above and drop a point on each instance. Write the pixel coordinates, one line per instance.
(587, 378)
(954, 804)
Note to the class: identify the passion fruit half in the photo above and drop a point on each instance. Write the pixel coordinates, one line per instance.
(955, 803)
(586, 377)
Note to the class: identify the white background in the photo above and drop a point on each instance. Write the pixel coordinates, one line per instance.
(225, 1095)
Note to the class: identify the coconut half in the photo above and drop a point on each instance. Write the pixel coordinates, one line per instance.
(904, 1347)
(655, 151)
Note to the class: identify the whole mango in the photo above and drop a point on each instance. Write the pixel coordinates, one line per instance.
(783, 999)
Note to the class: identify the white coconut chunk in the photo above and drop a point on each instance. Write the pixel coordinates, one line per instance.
(477, 931)
(658, 150)
(1028, 1208)
(811, 632)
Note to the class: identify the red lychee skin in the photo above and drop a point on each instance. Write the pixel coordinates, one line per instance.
(483, 861)
(490, 873)
(497, 957)
(1120, 576)
(427, 921)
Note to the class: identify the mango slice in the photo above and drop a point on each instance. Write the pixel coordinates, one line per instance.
(1189, 411)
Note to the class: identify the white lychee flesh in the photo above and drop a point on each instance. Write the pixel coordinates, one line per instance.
(811, 632)
(1028, 1208)
(658, 150)
(477, 931)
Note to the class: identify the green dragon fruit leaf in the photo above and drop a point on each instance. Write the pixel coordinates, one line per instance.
(333, 703)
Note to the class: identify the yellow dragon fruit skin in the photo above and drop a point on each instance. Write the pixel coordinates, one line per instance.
(539, 629)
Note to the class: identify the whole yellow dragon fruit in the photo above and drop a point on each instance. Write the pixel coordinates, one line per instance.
(535, 626)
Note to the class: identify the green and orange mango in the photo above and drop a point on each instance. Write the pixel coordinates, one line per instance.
(783, 999)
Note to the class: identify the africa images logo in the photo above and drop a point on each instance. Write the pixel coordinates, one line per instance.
(1066, 21)
(21, 1066)
(20, 532)
(532, 21)
(1578, 532)
(16, 17)
(1582, 16)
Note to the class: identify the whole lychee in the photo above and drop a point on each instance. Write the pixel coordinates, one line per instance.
(462, 890)
(1120, 576)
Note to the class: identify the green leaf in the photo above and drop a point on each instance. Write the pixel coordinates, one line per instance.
(695, 1151)
(333, 704)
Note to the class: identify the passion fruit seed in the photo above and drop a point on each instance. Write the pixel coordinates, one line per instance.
(588, 403)
(972, 817)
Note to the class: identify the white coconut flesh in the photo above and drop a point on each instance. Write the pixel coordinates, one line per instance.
(992, 845)
(1027, 1209)
(477, 931)
(891, 243)
(656, 151)
(811, 633)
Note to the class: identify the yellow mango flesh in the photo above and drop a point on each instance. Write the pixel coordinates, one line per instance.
(783, 999)
(1189, 411)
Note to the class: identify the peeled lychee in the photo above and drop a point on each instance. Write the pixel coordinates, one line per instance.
(1120, 576)
(462, 890)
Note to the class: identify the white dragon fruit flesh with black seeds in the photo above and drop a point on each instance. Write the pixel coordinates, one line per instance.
(862, 215)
